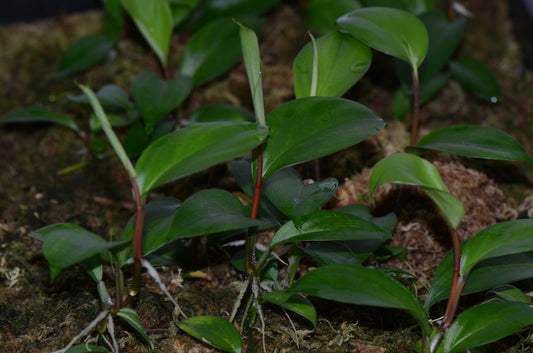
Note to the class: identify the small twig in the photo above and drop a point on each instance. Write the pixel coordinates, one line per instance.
(86, 330)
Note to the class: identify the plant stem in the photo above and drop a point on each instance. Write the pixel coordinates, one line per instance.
(458, 283)
(250, 241)
(451, 12)
(137, 239)
(416, 106)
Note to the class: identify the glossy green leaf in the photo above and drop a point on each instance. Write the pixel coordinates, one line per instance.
(429, 89)
(476, 77)
(210, 211)
(109, 96)
(337, 252)
(486, 323)
(391, 31)
(414, 6)
(408, 169)
(212, 50)
(83, 55)
(213, 330)
(86, 348)
(485, 275)
(159, 215)
(252, 62)
(297, 201)
(294, 302)
(133, 320)
(387, 222)
(154, 21)
(500, 239)
(220, 112)
(342, 61)
(113, 20)
(67, 244)
(444, 37)
(156, 97)
(362, 286)
(511, 294)
(115, 120)
(194, 148)
(32, 115)
(320, 15)
(312, 127)
(328, 225)
(181, 9)
(473, 141)
(239, 9)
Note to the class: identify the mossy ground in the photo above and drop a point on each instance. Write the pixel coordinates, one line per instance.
(40, 315)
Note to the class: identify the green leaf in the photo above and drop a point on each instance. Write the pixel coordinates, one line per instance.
(361, 286)
(297, 201)
(485, 275)
(500, 239)
(213, 330)
(83, 55)
(337, 252)
(32, 115)
(133, 320)
(194, 148)
(444, 37)
(511, 294)
(181, 9)
(210, 211)
(212, 50)
(342, 61)
(391, 31)
(109, 96)
(387, 222)
(328, 225)
(414, 6)
(486, 323)
(113, 19)
(473, 141)
(476, 77)
(412, 170)
(86, 348)
(213, 9)
(154, 21)
(220, 112)
(294, 302)
(252, 62)
(67, 244)
(312, 127)
(157, 97)
(320, 15)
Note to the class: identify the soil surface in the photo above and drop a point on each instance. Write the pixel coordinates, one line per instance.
(40, 315)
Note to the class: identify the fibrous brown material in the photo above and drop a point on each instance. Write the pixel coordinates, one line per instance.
(421, 227)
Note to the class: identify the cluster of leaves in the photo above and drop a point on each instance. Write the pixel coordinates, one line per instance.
(317, 123)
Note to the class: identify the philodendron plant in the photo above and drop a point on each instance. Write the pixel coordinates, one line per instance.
(315, 124)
